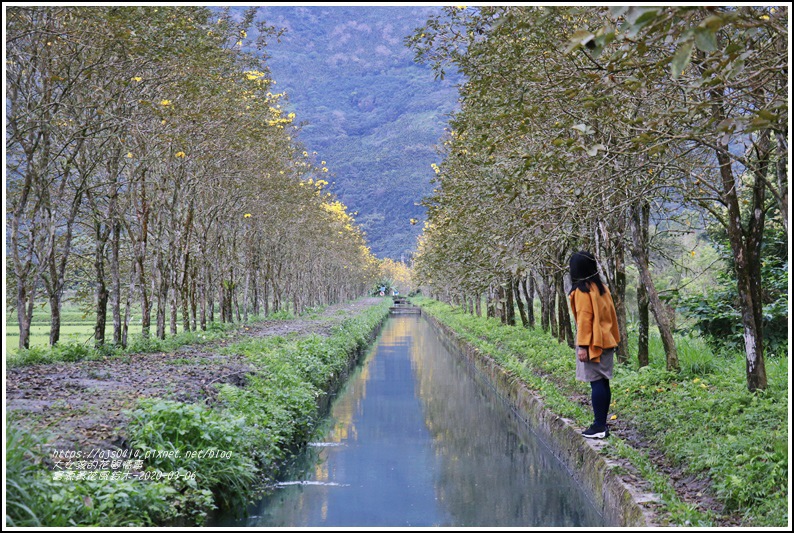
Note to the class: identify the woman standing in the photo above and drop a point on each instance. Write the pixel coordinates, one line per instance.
(596, 337)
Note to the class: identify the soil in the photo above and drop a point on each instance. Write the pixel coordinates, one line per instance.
(81, 405)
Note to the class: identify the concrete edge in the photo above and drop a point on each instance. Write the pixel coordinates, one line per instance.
(619, 503)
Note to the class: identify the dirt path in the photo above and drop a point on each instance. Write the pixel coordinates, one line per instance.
(78, 406)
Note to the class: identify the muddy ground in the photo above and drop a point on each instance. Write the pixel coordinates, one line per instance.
(80, 406)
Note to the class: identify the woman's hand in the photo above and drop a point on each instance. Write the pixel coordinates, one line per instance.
(581, 353)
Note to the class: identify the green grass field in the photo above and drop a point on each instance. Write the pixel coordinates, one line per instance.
(75, 328)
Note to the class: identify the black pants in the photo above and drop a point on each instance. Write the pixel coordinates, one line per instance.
(601, 396)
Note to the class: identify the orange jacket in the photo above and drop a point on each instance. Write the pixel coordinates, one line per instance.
(596, 321)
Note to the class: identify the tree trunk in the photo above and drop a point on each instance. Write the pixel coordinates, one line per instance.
(25, 300)
(255, 290)
(266, 296)
(644, 325)
(101, 293)
(551, 296)
(184, 294)
(236, 302)
(781, 172)
(566, 330)
(57, 268)
(162, 297)
(55, 318)
(115, 281)
(127, 308)
(203, 300)
(522, 311)
(510, 306)
(173, 308)
(245, 295)
(529, 292)
(194, 298)
(490, 304)
(545, 320)
(619, 297)
(746, 247)
(640, 254)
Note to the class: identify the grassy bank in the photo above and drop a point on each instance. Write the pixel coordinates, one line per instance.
(197, 457)
(702, 419)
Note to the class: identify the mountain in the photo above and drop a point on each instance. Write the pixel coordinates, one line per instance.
(371, 113)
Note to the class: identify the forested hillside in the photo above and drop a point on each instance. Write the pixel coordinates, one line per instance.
(369, 111)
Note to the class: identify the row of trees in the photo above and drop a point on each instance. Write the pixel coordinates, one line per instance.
(150, 158)
(595, 128)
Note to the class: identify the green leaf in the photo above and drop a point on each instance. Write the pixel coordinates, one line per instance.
(681, 59)
(705, 39)
(580, 37)
(712, 22)
(618, 11)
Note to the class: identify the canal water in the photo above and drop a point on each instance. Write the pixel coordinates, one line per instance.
(417, 438)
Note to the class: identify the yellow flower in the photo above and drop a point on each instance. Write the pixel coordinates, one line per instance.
(247, 215)
(693, 253)
(165, 102)
(305, 153)
(129, 155)
(325, 169)
(137, 78)
(239, 43)
(703, 386)
(180, 154)
(243, 34)
(695, 380)
(253, 74)
(323, 163)
(613, 417)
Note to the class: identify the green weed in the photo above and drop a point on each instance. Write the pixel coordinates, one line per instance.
(166, 433)
(36, 497)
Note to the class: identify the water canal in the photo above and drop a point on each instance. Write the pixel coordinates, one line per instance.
(416, 438)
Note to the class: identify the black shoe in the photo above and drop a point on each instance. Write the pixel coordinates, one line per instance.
(596, 432)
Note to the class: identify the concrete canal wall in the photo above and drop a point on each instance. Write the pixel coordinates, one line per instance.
(620, 504)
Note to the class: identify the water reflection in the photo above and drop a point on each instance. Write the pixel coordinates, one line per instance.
(419, 441)
(493, 470)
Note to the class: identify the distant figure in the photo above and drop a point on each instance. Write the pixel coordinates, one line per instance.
(396, 292)
(596, 337)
